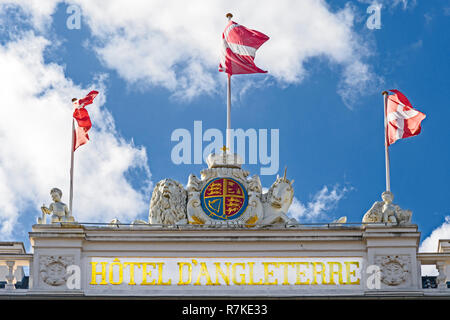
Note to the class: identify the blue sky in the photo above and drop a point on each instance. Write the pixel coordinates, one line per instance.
(322, 91)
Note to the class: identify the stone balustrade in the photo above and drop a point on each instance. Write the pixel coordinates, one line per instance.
(12, 258)
(442, 262)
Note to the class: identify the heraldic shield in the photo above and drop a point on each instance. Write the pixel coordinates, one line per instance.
(224, 199)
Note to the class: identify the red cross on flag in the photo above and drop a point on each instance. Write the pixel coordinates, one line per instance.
(239, 49)
(402, 119)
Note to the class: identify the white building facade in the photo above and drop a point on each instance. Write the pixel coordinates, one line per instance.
(223, 237)
(195, 261)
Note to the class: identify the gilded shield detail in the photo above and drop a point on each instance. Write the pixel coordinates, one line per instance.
(224, 199)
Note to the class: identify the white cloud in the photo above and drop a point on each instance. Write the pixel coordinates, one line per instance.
(35, 137)
(38, 12)
(319, 206)
(430, 244)
(175, 44)
(357, 80)
(405, 4)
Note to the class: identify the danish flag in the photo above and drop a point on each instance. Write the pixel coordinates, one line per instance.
(402, 119)
(81, 115)
(239, 48)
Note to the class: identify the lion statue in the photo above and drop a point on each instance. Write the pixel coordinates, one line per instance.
(168, 203)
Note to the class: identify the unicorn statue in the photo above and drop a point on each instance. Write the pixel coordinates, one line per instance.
(277, 200)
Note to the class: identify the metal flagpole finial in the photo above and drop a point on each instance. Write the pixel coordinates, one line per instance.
(229, 16)
(384, 92)
(74, 99)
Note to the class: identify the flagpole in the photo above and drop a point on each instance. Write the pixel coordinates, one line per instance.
(228, 112)
(386, 147)
(228, 132)
(72, 153)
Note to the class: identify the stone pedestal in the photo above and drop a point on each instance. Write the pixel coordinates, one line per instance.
(56, 247)
(394, 250)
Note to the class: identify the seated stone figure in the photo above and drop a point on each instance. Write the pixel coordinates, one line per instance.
(387, 212)
(59, 210)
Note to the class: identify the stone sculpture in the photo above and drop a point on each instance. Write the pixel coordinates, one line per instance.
(194, 210)
(277, 201)
(168, 203)
(223, 195)
(341, 220)
(60, 211)
(387, 212)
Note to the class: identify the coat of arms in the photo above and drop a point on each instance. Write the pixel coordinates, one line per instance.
(224, 199)
(225, 194)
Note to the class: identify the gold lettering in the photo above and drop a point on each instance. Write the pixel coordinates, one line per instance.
(102, 273)
(203, 273)
(275, 273)
(350, 273)
(160, 275)
(180, 270)
(285, 272)
(146, 273)
(233, 271)
(268, 273)
(116, 262)
(316, 272)
(301, 273)
(250, 280)
(132, 265)
(332, 272)
(226, 277)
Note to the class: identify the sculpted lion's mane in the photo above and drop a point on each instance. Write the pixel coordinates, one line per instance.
(168, 203)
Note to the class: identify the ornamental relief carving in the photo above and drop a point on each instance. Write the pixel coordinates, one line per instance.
(395, 270)
(52, 269)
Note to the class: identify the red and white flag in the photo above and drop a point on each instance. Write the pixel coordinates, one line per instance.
(402, 119)
(83, 120)
(239, 49)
